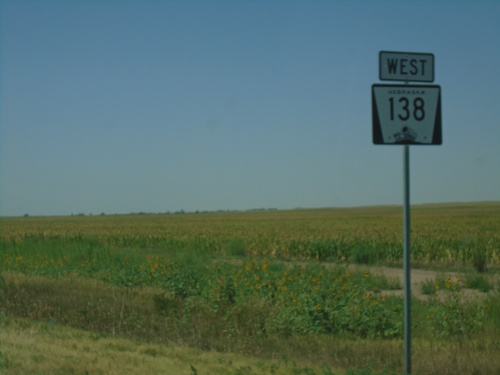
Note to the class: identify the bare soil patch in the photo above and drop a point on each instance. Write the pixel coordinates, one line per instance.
(418, 277)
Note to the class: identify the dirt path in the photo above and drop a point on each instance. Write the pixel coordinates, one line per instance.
(418, 277)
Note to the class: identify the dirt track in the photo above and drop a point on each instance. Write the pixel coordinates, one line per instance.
(418, 277)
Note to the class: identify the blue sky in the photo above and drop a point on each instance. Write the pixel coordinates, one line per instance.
(155, 106)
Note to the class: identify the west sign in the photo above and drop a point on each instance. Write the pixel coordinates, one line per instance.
(406, 66)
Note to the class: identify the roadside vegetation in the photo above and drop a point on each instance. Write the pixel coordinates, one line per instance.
(248, 292)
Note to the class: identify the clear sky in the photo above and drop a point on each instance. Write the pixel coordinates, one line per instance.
(155, 106)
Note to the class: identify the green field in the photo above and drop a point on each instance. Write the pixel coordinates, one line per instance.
(249, 292)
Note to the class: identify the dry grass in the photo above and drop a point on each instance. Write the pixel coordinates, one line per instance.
(34, 348)
(28, 347)
(457, 356)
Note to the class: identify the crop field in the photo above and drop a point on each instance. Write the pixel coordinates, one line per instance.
(298, 291)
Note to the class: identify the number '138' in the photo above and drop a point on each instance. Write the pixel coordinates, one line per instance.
(405, 112)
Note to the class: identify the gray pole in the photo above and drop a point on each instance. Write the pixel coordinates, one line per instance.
(406, 259)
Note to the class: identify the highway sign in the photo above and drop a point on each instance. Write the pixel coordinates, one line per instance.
(406, 114)
(406, 66)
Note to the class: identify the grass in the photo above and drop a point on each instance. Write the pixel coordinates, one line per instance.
(108, 312)
(244, 293)
(29, 347)
(32, 347)
(224, 304)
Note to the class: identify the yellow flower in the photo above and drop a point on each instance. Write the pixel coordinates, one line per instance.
(318, 307)
(265, 266)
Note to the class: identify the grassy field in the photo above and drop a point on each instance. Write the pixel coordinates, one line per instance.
(248, 292)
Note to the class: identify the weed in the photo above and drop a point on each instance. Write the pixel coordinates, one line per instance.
(479, 260)
(4, 362)
(428, 287)
(366, 371)
(244, 370)
(479, 282)
(326, 370)
(362, 255)
(235, 247)
(453, 317)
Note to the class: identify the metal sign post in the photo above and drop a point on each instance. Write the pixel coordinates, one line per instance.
(406, 115)
(406, 258)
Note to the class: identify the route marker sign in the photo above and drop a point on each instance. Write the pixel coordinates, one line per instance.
(406, 66)
(406, 115)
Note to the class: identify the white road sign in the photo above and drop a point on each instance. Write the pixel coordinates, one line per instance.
(406, 66)
(404, 114)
